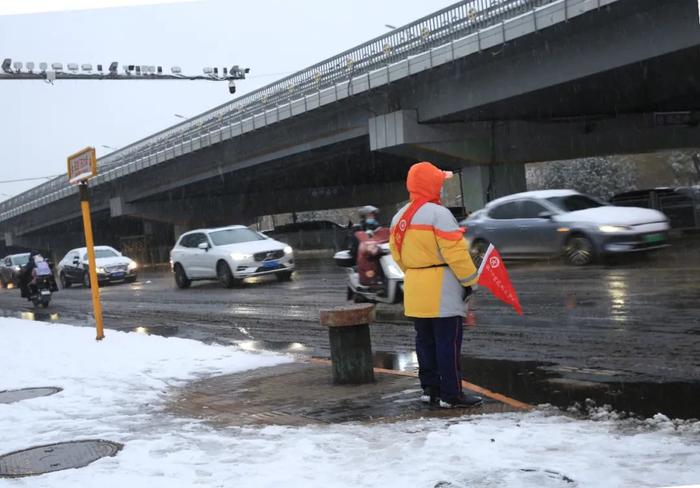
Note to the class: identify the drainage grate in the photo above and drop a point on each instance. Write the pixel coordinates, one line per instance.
(55, 457)
(11, 396)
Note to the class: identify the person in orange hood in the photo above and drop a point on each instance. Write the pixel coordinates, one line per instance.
(429, 246)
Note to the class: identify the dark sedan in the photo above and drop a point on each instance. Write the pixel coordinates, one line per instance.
(11, 268)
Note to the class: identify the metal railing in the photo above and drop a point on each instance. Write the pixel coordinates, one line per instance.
(438, 28)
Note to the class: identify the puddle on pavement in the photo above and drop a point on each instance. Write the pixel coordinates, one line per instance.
(159, 330)
(275, 346)
(538, 382)
(42, 316)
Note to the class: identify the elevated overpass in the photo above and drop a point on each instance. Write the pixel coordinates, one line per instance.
(482, 86)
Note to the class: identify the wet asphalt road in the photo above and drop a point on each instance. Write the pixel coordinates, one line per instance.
(635, 321)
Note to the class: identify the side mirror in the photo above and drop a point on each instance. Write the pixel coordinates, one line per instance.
(76, 261)
(545, 215)
(204, 246)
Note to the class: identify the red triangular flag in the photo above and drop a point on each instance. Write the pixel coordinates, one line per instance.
(493, 275)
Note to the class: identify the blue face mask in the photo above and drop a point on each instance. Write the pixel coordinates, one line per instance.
(371, 222)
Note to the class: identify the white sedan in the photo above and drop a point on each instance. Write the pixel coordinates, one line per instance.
(229, 254)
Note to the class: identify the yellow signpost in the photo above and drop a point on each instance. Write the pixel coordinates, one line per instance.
(81, 167)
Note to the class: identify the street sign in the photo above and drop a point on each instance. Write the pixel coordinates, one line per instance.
(82, 166)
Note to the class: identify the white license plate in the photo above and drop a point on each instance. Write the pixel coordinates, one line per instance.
(45, 293)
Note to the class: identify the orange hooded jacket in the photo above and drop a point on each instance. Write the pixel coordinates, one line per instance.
(433, 253)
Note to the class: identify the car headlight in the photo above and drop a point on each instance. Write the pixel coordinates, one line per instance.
(288, 250)
(237, 256)
(16, 267)
(100, 270)
(608, 229)
(133, 265)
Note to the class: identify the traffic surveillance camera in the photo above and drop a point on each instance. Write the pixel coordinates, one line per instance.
(232, 87)
(17, 65)
(6, 65)
(160, 70)
(99, 67)
(30, 66)
(86, 67)
(43, 67)
(176, 70)
(57, 66)
(72, 66)
(113, 67)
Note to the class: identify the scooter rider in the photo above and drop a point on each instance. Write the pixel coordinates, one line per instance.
(37, 266)
(26, 275)
(368, 222)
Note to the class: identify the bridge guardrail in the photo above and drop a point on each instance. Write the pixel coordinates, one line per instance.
(450, 23)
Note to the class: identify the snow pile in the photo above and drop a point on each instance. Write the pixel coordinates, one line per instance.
(113, 391)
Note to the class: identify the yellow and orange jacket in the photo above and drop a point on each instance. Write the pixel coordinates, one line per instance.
(434, 255)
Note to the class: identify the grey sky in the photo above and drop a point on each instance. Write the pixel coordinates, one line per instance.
(41, 124)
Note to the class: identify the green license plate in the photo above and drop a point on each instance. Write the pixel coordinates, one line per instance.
(654, 238)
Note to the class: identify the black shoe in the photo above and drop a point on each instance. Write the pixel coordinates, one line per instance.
(431, 395)
(464, 401)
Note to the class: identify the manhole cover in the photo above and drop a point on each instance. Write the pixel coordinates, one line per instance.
(55, 457)
(11, 396)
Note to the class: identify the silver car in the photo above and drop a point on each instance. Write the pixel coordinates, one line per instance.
(563, 222)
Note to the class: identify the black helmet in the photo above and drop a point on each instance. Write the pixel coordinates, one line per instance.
(34, 253)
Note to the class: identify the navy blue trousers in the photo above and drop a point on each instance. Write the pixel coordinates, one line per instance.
(439, 346)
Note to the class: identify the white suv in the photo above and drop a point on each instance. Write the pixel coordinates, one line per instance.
(229, 254)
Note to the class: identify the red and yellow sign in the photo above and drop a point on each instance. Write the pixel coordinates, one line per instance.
(82, 165)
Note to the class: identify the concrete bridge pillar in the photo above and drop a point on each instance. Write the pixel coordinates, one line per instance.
(482, 183)
(179, 229)
(470, 149)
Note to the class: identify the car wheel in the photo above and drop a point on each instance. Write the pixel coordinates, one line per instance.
(181, 279)
(578, 251)
(86, 279)
(65, 282)
(478, 250)
(130, 280)
(223, 273)
(284, 275)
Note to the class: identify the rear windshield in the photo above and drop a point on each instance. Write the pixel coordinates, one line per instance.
(102, 253)
(234, 236)
(572, 203)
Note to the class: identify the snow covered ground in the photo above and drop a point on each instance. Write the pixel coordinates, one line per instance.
(115, 389)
